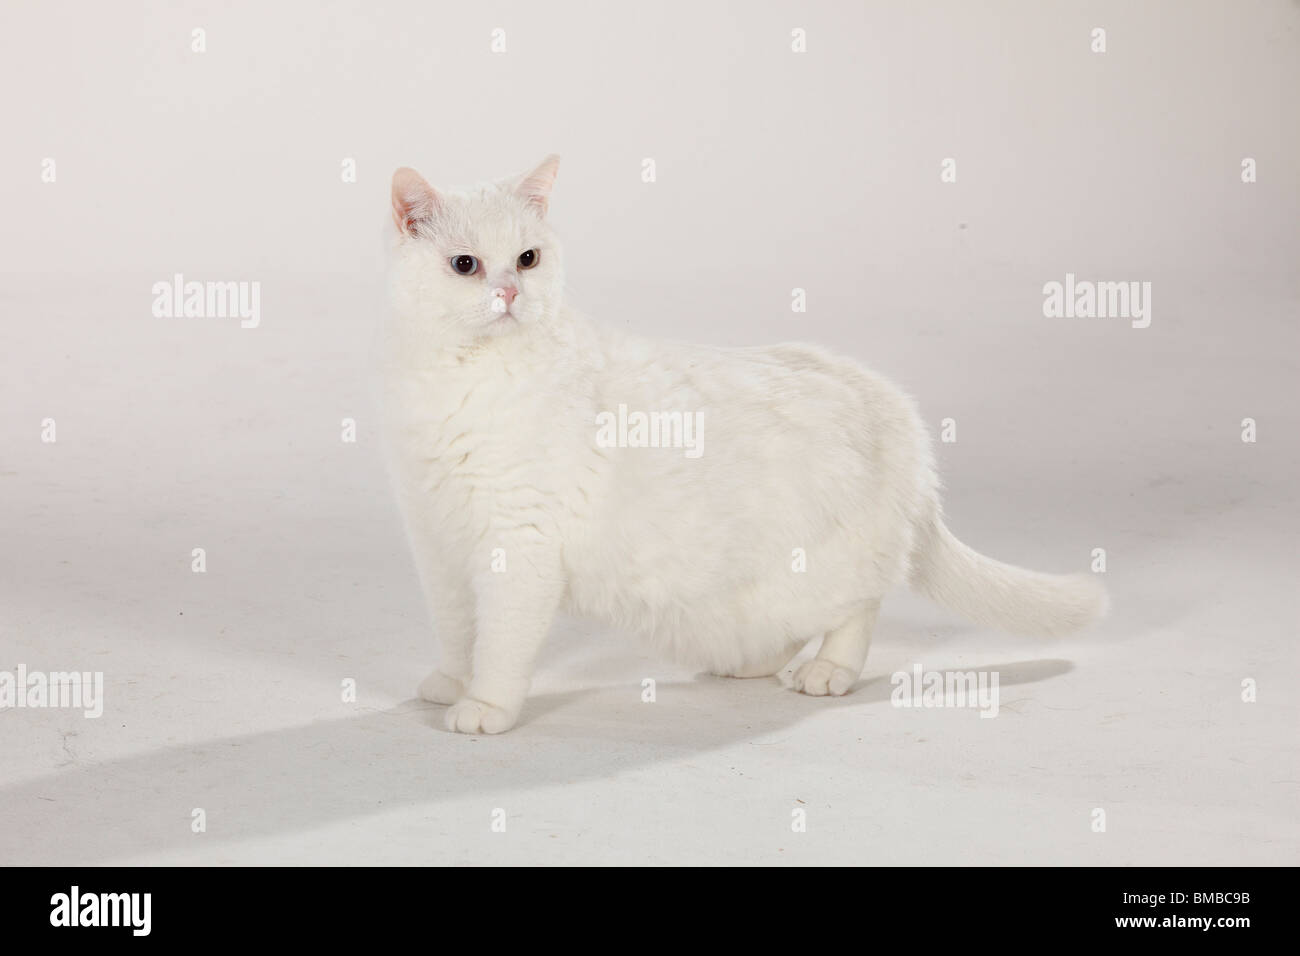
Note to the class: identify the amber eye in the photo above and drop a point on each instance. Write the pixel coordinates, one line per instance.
(465, 265)
(529, 259)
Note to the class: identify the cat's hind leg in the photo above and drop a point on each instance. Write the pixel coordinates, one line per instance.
(769, 666)
(840, 659)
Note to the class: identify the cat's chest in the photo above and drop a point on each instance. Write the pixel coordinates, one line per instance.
(457, 434)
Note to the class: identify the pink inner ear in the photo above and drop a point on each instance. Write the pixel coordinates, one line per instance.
(536, 186)
(414, 200)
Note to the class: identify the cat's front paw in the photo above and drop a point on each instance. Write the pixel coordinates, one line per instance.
(440, 688)
(819, 678)
(470, 716)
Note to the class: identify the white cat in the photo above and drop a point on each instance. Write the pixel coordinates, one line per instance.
(790, 490)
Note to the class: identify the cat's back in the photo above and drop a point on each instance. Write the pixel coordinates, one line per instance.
(795, 384)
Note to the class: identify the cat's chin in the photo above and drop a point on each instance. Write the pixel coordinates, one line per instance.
(501, 324)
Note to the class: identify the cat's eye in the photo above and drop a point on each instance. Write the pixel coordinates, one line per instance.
(465, 265)
(529, 259)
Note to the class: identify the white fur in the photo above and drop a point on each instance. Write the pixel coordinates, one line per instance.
(491, 423)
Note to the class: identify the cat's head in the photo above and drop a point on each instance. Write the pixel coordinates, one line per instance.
(479, 262)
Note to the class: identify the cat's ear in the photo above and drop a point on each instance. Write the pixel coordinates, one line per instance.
(535, 187)
(414, 200)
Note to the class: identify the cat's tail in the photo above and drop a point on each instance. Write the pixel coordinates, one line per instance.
(1000, 595)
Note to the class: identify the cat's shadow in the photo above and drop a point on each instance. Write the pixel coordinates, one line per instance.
(295, 779)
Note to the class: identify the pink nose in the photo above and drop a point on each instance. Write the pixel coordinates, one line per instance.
(508, 293)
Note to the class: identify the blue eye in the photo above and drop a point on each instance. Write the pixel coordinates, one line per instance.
(465, 265)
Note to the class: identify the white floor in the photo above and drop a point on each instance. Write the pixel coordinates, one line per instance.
(223, 688)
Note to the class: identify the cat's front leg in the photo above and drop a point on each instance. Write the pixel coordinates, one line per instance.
(513, 612)
(451, 605)
(439, 687)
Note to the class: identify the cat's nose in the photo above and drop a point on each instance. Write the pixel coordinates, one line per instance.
(506, 292)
